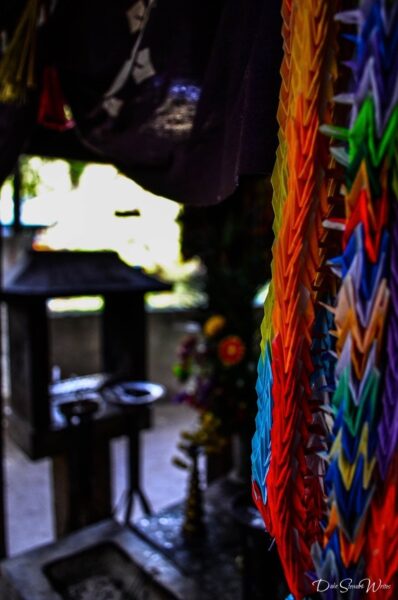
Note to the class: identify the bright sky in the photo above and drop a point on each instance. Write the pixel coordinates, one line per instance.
(84, 218)
(87, 221)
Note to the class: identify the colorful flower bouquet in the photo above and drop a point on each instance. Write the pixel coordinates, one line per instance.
(217, 374)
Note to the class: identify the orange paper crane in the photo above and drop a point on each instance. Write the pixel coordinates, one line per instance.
(294, 499)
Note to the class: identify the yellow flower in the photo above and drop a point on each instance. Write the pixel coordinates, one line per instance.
(214, 325)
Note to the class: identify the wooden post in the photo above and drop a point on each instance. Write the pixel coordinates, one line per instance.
(16, 197)
(2, 512)
(74, 507)
(29, 369)
(124, 336)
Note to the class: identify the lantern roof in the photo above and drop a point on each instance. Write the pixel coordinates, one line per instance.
(50, 274)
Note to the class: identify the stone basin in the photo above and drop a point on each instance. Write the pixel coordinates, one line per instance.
(102, 572)
(103, 562)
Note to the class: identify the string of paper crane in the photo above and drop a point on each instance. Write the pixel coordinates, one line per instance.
(317, 339)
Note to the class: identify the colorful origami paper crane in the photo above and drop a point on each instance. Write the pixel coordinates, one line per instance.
(328, 378)
(295, 365)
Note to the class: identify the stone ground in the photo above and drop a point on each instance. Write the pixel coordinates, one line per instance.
(28, 485)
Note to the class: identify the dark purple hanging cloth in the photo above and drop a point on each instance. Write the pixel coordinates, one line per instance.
(180, 95)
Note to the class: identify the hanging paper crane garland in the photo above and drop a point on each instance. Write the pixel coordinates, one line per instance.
(361, 536)
(287, 454)
(308, 325)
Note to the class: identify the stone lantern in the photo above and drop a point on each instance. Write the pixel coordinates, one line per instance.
(36, 422)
